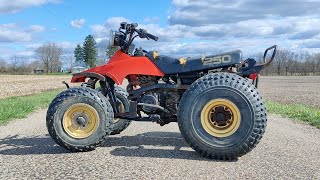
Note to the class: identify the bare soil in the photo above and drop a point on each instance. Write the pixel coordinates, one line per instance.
(18, 85)
(291, 89)
(284, 89)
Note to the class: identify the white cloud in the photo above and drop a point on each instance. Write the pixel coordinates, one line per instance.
(13, 33)
(67, 45)
(37, 28)
(33, 46)
(205, 26)
(13, 6)
(103, 30)
(154, 19)
(9, 50)
(25, 53)
(202, 12)
(78, 23)
(252, 35)
(209, 26)
(99, 30)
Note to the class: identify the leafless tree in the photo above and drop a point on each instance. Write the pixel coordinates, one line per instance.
(3, 66)
(289, 62)
(49, 54)
(18, 65)
(71, 61)
(3, 63)
(15, 60)
(317, 62)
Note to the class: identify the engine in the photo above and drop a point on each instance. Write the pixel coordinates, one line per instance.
(150, 98)
(160, 103)
(167, 100)
(147, 80)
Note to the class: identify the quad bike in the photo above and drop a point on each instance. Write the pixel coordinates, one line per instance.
(214, 99)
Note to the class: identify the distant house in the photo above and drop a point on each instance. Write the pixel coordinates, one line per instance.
(63, 70)
(79, 66)
(38, 71)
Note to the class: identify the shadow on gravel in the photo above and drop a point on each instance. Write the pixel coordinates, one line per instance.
(155, 145)
(15, 145)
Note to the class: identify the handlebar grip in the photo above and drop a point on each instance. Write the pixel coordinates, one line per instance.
(152, 36)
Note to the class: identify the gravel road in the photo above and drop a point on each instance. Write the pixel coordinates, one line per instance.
(289, 150)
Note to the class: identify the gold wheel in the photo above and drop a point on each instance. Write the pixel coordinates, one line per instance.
(220, 118)
(80, 121)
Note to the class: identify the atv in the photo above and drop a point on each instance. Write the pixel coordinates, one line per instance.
(213, 99)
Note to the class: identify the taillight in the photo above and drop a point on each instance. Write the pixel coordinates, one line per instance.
(253, 76)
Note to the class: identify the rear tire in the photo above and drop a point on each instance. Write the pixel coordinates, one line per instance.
(222, 116)
(79, 119)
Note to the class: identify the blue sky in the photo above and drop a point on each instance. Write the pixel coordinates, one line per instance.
(184, 27)
(56, 17)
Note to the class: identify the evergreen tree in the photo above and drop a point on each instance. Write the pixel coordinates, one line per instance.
(78, 53)
(90, 51)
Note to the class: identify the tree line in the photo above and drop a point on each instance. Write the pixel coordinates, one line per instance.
(48, 58)
(289, 63)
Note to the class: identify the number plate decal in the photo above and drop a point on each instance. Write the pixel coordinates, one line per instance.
(216, 60)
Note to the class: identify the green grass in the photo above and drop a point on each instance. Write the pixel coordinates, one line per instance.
(296, 111)
(20, 107)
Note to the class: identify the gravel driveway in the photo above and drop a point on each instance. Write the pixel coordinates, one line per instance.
(289, 150)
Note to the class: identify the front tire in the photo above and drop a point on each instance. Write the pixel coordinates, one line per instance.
(222, 116)
(79, 119)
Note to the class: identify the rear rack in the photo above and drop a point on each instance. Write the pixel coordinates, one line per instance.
(252, 67)
(267, 63)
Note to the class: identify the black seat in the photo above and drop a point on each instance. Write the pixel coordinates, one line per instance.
(170, 65)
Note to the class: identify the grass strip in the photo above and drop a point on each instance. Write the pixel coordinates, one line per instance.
(21, 106)
(296, 111)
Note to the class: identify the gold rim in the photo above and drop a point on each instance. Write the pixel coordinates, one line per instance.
(220, 118)
(80, 121)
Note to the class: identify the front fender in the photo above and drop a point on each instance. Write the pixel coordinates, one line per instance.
(120, 66)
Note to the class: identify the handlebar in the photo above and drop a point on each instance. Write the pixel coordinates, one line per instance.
(143, 34)
(126, 34)
(155, 38)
